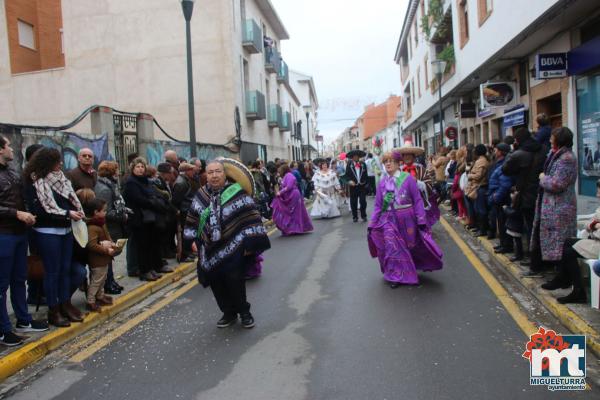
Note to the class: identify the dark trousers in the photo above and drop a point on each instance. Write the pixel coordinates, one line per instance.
(56, 252)
(505, 240)
(147, 247)
(528, 217)
(357, 193)
(13, 272)
(568, 267)
(371, 185)
(131, 255)
(229, 287)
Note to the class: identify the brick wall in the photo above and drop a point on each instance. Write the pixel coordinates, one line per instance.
(46, 18)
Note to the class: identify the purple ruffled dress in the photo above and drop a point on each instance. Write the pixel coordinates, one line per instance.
(289, 213)
(400, 236)
(255, 269)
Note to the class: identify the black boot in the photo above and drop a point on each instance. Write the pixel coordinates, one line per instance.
(518, 250)
(576, 296)
(556, 283)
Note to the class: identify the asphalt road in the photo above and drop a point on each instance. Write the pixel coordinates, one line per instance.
(327, 327)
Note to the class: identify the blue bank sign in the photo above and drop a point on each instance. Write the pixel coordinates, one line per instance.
(551, 65)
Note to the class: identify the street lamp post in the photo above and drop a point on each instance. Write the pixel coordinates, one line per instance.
(188, 7)
(439, 67)
(308, 133)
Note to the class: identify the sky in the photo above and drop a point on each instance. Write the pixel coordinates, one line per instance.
(348, 47)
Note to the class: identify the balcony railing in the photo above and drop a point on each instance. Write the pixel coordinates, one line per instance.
(272, 59)
(275, 115)
(252, 39)
(283, 75)
(285, 122)
(255, 105)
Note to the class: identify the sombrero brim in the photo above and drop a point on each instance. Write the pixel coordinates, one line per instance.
(410, 150)
(353, 153)
(237, 172)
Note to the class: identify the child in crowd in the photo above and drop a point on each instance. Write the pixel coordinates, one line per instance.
(101, 250)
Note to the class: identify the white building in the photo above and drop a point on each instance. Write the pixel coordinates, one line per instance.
(304, 86)
(490, 41)
(131, 55)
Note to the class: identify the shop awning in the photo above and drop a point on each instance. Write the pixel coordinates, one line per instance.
(584, 57)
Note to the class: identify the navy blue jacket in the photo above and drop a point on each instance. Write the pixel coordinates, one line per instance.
(542, 136)
(499, 185)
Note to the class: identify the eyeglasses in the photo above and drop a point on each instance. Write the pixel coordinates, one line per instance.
(87, 156)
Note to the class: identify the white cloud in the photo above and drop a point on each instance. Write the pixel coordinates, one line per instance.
(348, 47)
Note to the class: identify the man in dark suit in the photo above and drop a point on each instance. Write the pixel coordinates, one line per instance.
(356, 174)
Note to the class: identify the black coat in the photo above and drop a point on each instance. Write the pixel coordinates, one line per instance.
(352, 176)
(525, 164)
(139, 195)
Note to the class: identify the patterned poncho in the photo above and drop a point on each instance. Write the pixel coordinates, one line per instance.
(231, 229)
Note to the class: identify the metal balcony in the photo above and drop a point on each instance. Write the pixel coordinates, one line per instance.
(286, 124)
(255, 105)
(252, 39)
(275, 116)
(283, 75)
(272, 60)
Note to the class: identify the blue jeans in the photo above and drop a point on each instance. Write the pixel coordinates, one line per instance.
(13, 273)
(56, 252)
(78, 276)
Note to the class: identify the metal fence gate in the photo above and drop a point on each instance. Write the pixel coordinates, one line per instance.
(126, 140)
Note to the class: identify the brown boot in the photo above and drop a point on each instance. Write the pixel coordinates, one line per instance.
(104, 300)
(93, 307)
(56, 319)
(69, 311)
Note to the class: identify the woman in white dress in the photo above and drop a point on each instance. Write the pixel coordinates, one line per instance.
(326, 187)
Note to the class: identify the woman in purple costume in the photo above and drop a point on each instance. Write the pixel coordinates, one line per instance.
(289, 213)
(398, 232)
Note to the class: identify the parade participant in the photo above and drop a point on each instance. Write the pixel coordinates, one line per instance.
(289, 213)
(356, 174)
(409, 153)
(398, 233)
(228, 232)
(326, 188)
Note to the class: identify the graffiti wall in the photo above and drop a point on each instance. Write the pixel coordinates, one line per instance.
(155, 151)
(69, 144)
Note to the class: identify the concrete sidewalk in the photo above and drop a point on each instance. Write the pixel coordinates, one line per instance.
(578, 318)
(13, 359)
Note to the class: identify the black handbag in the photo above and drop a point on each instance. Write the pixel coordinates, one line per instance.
(148, 216)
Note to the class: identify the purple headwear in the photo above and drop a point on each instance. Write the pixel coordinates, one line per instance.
(396, 155)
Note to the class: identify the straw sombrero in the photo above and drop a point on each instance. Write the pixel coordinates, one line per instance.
(408, 148)
(237, 172)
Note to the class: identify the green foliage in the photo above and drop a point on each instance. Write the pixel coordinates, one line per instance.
(447, 55)
(435, 11)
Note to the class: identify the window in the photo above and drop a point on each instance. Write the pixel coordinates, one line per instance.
(416, 33)
(484, 9)
(463, 17)
(26, 35)
(419, 81)
(523, 78)
(426, 73)
(412, 90)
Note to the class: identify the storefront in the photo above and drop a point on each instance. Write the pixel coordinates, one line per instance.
(514, 118)
(584, 65)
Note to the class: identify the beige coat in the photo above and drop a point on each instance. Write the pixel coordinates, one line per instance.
(478, 176)
(590, 246)
(440, 168)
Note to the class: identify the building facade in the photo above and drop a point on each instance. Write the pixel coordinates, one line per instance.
(61, 56)
(494, 80)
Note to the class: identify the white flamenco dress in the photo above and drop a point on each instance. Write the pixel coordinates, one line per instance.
(326, 198)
